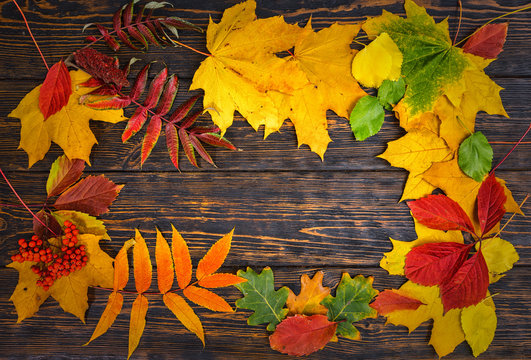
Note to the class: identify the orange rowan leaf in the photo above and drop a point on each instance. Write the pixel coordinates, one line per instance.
(220, 280)
(121, 266)
(206, 298)
(186, 315)
(215, 257)
(181, 259)
(142, 264)
(164, 264)
(308, 302)
(113, 308)
(137, 322)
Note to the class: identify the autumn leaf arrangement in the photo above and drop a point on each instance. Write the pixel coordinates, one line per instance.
(448, 273)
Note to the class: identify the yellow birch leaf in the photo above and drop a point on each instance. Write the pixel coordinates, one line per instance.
(186, 315)
(181, 259)
(113, 308)
(142, 264)
(164, 264)
(68, 128)
(380, 60)
(27, 296)
(447, 333)
(500, 256)
(215, 257)
(137, 322)
(308, 302)
(479, 325)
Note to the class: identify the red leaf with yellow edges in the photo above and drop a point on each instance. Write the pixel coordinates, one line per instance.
(186, 315)
(302, 335)
(215, 257)
(121, 266)
(392, 300)
(220, 280)
(137, 322)
(181, 259)
(164, 264)
(491, 199)
(172, 143)
(207, 298)
(113, 308)
(142, 264)
(63, 173)
(488, 41)
(151, 137)
(55, 90)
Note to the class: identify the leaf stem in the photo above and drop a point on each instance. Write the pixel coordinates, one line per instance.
(144, 293)
(512, 216)
(491, 20)
(460, 18)
(463, 124)
(514, 147)
(23, 203)
(31, 34)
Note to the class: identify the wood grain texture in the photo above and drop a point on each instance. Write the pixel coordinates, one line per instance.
(291, 211)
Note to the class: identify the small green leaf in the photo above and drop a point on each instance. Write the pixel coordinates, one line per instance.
(367, 117)
(351, 304)
(475, 156)
(390, 93)
(261, 297)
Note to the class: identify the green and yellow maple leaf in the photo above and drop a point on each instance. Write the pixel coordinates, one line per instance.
(68, 128)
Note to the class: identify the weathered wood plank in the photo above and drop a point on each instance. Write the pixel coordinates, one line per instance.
(277, 152)
(54, 334)
(57, 26)
(283, 218)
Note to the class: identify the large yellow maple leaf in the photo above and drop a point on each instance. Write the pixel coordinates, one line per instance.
(68, 128)
(70, 291)
(245, 74)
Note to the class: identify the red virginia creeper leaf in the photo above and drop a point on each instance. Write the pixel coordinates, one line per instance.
(392, 300)
(155, 88)
(135, 123)
(431, 264)
(92, 195)
(491, 199)
(201, 150)
(151, 137)
(441, 213)
(302, 335)
(172, 143)
(168, 96)
(111, 42)
(215, 140)
(190, 120)
(183, 109)
(488, 41)
(55, 90)
(63, 173)
(468, 286)
(188, 147)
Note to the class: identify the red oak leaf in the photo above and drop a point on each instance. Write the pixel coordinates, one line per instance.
(488, 41)
(469, 284)
(302, 335)
(55, 90)
(92, 195)
(392, 300)
(431, 264)
(491, 198)
(441, 213)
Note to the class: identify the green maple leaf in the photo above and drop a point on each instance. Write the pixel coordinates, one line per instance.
(261, 297)
(430, 61)
(351, 304)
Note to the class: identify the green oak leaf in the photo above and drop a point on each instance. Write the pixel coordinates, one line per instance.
(430, 61)
(85, 223)
(367, 117)
(475, 156)
(260, 296)
(390, 93)
(351, 304)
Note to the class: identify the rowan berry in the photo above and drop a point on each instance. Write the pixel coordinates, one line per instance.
(67, 230)
(31, 244)
(39, 242)
(75, 231)
(67, 223)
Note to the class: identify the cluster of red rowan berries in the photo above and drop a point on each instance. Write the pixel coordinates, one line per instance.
(52, 265)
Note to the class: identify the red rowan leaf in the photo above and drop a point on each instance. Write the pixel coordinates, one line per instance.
(392, 300)
(491, 199)
(140, 83)
(92, 82)
(180, 24)
(214, 139)
(63, 173)
(118, 102)
(111, 42)
(168, 96)
(488, 41)
(155, 89)
(151, 137)
(172, 143)
(117, 24)
(183, 109)
(92, 195)
(201, 150)
(55, 90)
(468, 286)
(302, 335)
(190, 120)
(204, 129)
(431, 264)
(104, 90)
(135, 123)
(187, 146)
(441, 213)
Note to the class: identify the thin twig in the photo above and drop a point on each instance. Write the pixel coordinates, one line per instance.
(460, 18)
(512, 216)
(514, 147)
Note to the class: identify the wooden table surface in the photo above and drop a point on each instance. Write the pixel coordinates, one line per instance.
(291, 211)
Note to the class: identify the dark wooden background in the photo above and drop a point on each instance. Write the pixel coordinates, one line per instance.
(291, 211)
